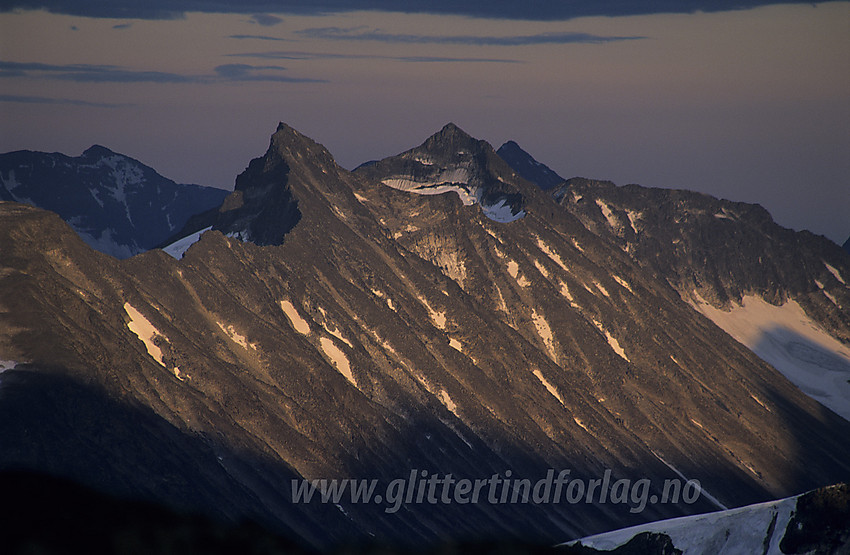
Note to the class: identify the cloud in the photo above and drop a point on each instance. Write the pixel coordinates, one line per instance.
(500, 9)
(62, 101)
(245, 72)
(89, 73)
(258, 37)
(266, 20)
(86, 73)
(299, 55)
(358, 34)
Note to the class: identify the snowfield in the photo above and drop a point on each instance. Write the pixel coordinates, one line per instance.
(787, 339)
(753, 529)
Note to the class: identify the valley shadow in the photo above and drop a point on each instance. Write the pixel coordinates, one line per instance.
(146, 482)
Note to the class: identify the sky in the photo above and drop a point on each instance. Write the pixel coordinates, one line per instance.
(750, 104)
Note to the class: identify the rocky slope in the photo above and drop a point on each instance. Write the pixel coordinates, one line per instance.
(386, 332)
(117, 204)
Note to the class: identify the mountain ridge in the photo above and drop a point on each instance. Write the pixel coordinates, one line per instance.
(436, 337)
(117, 204)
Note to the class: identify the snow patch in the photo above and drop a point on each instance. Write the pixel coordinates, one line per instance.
(786, 338)
(549, 387)
(502, 212)
(541, 269)
(455, 344)
(513, 269)
(609, 215)
(295, 320)
(581, 424)
(338, 358)
(623, 282)
(551, 253)
(753, 529)
(234, 336)
(447, 402)
(146, 332)
(545, 333)
(835, 272)
(439, 318)
(455, 180)
(612, 341)
(633, 218)
(601, 289)
(179, 247)
(829, 296)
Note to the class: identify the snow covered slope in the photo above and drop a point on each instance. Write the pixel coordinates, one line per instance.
(789, 340)
(792, 525)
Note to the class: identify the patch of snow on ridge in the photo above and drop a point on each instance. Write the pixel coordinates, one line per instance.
(179, 247)
(145, 331)
(786, 338)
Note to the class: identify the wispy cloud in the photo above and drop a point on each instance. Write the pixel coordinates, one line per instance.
(300, 55)
(266, 20)
(122, 26)
(61, 101)
(377, 35)
(258, 37)
(498, 9)
(245, 72)
(87, 73)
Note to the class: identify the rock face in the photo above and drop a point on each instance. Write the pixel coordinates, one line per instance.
(117, 205)
(381, 333)
(453, 161)
(529, 168)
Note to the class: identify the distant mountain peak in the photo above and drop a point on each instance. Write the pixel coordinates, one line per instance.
(524, 164)
(97, 150)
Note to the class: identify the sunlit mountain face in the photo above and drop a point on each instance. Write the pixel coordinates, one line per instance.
(429, 317)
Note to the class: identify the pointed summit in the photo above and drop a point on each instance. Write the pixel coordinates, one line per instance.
(453, 161)
(524, 164)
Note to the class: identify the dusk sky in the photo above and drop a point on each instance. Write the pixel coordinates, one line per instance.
(749, 104)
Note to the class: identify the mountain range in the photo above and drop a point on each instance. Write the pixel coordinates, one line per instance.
(434, 312)
(117, 204)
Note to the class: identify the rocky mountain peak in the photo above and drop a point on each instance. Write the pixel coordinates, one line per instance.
(97, 151)
(529, 168)
(453, 161)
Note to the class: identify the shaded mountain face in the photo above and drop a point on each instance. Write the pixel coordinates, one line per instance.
(118, 205)
(525, 165)
(847, 245)
(392, 333)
